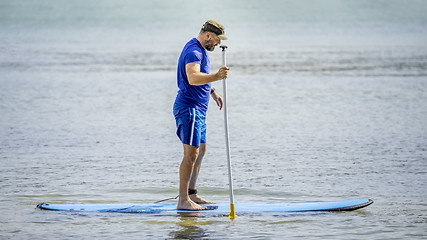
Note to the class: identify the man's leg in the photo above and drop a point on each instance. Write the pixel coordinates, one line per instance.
(196, 198)
(185, 173)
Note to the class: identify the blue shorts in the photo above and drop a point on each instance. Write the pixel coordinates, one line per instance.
(190, 125)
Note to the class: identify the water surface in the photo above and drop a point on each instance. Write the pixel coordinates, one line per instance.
(325, 103)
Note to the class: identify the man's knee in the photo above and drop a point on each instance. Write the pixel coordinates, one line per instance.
(202, 149)
(191, 152)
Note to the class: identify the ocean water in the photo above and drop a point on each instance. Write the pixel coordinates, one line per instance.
(327, 101)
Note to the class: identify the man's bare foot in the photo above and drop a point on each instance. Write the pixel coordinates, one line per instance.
(197, 199)
(188, 204)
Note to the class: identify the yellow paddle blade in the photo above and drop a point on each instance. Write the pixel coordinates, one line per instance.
(232, 211)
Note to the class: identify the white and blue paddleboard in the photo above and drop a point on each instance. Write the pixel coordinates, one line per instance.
(244, 207)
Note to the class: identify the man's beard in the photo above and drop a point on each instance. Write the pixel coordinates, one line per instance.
(209, 45)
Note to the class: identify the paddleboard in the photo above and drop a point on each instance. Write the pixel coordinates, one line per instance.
(243, 207)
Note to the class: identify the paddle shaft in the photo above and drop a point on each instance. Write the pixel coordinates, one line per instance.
(227, 138)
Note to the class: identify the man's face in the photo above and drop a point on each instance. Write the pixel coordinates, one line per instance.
(212, 42)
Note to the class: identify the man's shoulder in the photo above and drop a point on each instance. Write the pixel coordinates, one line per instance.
(193, 52)
(193, 46)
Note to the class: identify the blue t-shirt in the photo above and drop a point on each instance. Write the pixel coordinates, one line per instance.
(189, 95)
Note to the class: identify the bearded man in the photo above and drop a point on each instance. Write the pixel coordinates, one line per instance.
(194, 82)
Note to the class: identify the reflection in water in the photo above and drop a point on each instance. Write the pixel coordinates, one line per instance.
(189, 227)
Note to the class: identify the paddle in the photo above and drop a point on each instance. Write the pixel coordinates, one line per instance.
(227, 140)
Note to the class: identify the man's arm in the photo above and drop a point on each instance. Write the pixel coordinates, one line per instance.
(195, 77)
